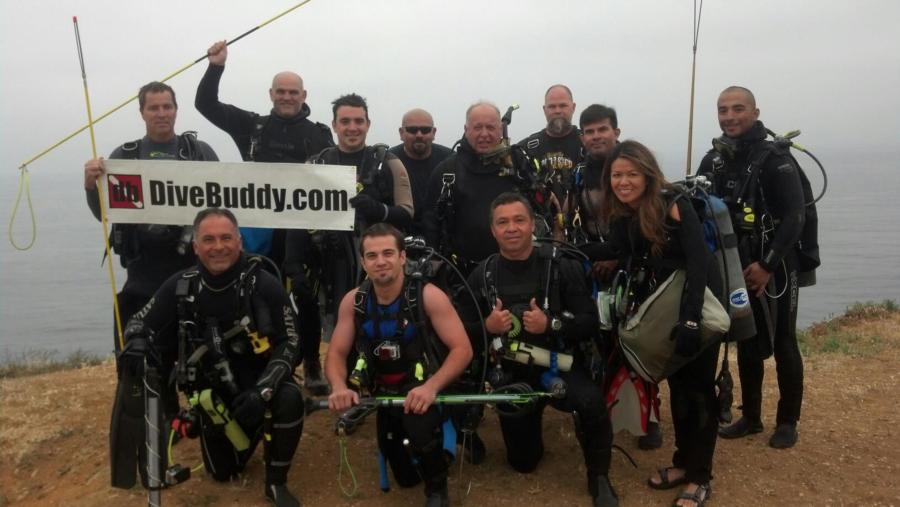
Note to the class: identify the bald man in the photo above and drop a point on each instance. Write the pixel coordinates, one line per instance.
(420, 155)
(285, 135)
(749, 171)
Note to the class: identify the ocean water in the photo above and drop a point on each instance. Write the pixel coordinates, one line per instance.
(56, 296)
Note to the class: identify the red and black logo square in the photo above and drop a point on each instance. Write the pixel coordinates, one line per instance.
(126, 191)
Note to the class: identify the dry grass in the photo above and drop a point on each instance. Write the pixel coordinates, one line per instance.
(38, 361)
(860, 332)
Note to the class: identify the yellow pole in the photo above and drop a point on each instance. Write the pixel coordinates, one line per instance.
(103, 222)
(690, 145)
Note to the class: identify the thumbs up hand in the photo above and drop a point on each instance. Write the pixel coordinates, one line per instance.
(534, 319)
(499, 321)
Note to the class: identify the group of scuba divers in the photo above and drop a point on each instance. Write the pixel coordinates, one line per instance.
(491, 272)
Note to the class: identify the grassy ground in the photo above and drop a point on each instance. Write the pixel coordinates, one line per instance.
(54, 430)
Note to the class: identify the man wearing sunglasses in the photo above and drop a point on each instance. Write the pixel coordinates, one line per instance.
(420, 156)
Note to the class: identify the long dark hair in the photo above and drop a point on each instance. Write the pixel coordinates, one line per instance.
(651, 210)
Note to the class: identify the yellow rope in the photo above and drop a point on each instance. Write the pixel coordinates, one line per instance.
(24, 182)
(345, 462)
(169, 453)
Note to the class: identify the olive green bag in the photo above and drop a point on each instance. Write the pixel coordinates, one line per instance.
(647, 337)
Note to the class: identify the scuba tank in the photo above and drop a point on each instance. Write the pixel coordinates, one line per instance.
(729, 261)
(718, 231)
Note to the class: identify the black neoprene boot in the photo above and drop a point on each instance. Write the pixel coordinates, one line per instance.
(313, 379)
(281, 496)
(785, 436)
(437, 495)
(602, 491)
(653, 439)
(433, 465)
(741, 428)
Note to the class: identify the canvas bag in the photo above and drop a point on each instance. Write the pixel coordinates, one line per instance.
(647, 339)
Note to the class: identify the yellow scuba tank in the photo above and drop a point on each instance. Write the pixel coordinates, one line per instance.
(215, 409)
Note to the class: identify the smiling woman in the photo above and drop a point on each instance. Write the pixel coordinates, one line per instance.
(656, 234)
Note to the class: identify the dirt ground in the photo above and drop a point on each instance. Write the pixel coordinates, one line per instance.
(54, 434)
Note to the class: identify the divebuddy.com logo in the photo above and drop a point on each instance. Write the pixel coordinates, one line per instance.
(126, 191)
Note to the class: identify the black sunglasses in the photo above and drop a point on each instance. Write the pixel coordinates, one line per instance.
(416, 130)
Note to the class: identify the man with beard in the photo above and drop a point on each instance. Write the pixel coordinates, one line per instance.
(420, 156)
(557, 147)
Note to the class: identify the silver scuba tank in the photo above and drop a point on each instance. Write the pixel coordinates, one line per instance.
(728, 258)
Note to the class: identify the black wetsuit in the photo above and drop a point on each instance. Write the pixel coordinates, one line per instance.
(419, 172)
(150, 253)
(582, 203)
(327, 260)
(262, 139)
(691, 388)
(469, 234)
(558, 157)
(268, 139)
(779, 195)
(218, 301)
(516, 283)
(273, 138)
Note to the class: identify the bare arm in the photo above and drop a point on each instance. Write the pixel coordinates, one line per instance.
(342, 339)
(449, 329)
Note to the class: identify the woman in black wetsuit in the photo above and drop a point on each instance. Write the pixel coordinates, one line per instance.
(653, 231)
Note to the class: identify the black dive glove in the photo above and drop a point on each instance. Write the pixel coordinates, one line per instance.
(687, 338)
(370, 209)
(131, 359)
(248, 409)
(137, 347)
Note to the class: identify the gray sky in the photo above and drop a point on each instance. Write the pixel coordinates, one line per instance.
(830, 68)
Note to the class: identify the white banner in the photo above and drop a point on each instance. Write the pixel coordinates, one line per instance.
(282, 196)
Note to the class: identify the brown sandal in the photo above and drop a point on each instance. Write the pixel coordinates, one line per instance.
(699, 497)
